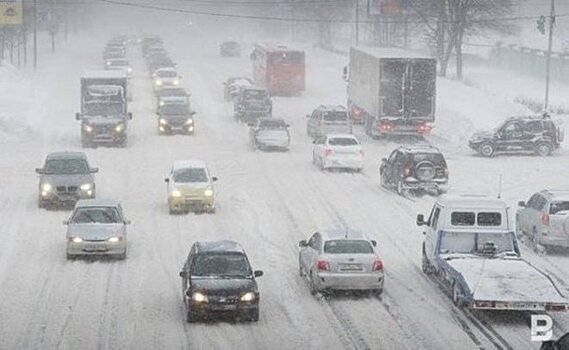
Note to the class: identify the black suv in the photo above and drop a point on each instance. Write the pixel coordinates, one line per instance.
(217, 279)
(414, 168)
(251, 103)
(519, 134)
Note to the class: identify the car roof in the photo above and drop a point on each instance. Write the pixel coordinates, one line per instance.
(97, 202)
(185, 164)
(166, 69)
(557, 194)
(222, 246)
(67, 155)
(419, 149)
(343, 136)
(334, 234)
(332, 108)
(106, 74)
(472, 201)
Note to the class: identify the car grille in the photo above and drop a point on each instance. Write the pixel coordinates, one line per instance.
(67, 189)
(219, 299)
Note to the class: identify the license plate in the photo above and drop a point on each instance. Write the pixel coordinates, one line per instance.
(351, 267)
(95, 249)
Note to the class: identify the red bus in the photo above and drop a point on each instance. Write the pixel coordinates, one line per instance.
(278, 69)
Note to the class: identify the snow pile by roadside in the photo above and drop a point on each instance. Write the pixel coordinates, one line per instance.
(18, 98)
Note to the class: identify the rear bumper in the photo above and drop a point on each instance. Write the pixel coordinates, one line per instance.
(268, 142)
(554, 240)
(343, 162)
(518, 306)
(350, 281)
(426, 186)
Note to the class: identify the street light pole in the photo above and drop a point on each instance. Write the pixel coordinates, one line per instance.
(357, 22)
(35, 37)
(548, 58)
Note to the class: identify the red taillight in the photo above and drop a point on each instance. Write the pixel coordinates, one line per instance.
(407, 171)
(424, 128)
(323, 265)
(545, 219)
(328, 152)
(555, 307)
(383, 126)
(377, 265)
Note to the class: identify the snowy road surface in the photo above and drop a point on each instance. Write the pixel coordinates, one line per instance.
(266, 201)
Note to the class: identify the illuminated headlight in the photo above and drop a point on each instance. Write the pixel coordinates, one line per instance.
(129, 70)
(250, 296)
(119, 128)
(77, 239)
(108, 63)
(163, 121)
(158, 82)
(191, 128)
(189, 122)
(88, 128)
(46, 187)
(161, 103)
(208, 192)
(176, 82)
(86, 187)
(176, 193)
(199, 297)
(114, 239)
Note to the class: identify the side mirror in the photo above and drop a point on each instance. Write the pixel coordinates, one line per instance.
(66, 222)
(521, 204)
(129, 115)
(374, 243)
(78, 116)
(39, 170)
(167, 180)
(258, 273)
(214, 179)
(303, 244)
(420, 220)
(183, 274)
(94, 170)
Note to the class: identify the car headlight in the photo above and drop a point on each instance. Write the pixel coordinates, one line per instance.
(163, 121)
(161, 103)
(114, 239)
(158, 82)
(189, 121)
(86, 187)
(119, 128)
(199, 297)
(250, 296)
(46, 187)
(77, 239)
(88, 128)
(208, 192)
(129, 70)
(176, 193)
(176, 82)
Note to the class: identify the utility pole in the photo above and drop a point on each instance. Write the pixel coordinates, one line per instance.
(548, 58)
(357, 22)
(35, 36)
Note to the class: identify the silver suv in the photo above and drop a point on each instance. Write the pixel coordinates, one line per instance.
(65, 178)
(328, 120)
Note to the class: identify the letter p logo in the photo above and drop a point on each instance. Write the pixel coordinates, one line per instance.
(541, 328)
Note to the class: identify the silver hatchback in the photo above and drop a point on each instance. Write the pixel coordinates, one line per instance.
(340, 260)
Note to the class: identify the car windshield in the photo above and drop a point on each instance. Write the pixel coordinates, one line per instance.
(167, 74)
(174, 109)
(436, 158)
(343, 141)
(118, 63)
(96, 215)
(221, 265)
(335, 116)
(348, 246)
(257, 95)
(66, 166)
(190, 175)
(472, 243)
(273, 124)
(558, 206)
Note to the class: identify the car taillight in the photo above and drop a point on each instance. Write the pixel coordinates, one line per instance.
(377, 265)
(383, 126)
(545, 219)
(555, 307)
(424, 128)
(407, 171)
(323, 265)
(328, 152)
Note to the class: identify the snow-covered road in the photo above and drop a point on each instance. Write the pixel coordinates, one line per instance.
(266, 201)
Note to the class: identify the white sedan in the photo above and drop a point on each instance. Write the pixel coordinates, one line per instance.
(96, 227)
(166, 77)
(342, 151)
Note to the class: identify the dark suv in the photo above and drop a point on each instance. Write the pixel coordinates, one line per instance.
(519, 134)
(251, 103)
(414, 168)
(218, 279)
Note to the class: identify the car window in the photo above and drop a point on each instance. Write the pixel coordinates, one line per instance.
(320, 140)
(558, 206)
(172, 92)
(342, 141)
(66, 166)
(513, 129)
(436, 158)
(221, 265)
(435, 218)
(335, 116)
(458, 218)
(272, 124)
(343, 246)
(167, 74)
(531, 201)
(254, 95)
(174, 109)
(96, 215)
(190, 175)
(392, 157)
(539, 202)
(533, 127)
(489, 219)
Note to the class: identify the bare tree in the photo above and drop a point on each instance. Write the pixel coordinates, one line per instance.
(448, 22)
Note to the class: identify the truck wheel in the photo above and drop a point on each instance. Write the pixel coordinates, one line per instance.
(543, 149)
(486, 149)
(253, 315)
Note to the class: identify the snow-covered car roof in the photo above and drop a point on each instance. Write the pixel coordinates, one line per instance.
(97, 202)
(420, 149)
(333, 234)
(241, 82)
(104, 90)
(174, 99)
(219, 246)
(562, 195)
(341, 136)
(107, 74)
(165, 69)
(66, 155)
(472, 201)
(184, 164)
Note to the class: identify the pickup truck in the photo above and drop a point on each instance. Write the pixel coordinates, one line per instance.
(469, 246)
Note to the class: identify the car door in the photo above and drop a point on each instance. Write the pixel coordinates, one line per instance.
(431, 233)
(511, 136)
(397, 167)
(532, 130)
(170, 183)
(187, 268)
(525, 215)
(388, 168)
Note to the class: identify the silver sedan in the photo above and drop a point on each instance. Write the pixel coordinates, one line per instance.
(340, 260)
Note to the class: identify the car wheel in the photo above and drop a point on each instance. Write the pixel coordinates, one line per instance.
(122, 256)
(377, 292)
(312, 285)
(212, 210)
(425, 266)
(253, 315)
(71, 256)
(124, 143)
(535, 241)
(543, 149)
(486, 149)
(172, 211)
(401, 190)
(456, 294)
(321, 164)
(300, 270)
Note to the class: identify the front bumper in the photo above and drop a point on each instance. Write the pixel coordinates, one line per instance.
(554, 240)
(189, 202)
(105, 136)
(96, 248)
(176, 129)
(68, 196)
(350, 281)
(229, 305)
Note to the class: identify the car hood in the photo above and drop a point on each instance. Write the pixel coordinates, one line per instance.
(67, 179)
(226, 286)
(176, 117)
(96, 231)
(103, 120)
(482, 135)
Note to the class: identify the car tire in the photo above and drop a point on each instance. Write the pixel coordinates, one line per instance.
(543, 149)
(191, 317)
(172, 211)
(425, 266)
(71, 256)
(377, 292)
(486, 149)
(455, 294)
(253, 315)
(212, 210)
(401, 190)
(122, 256)
(312, 285)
